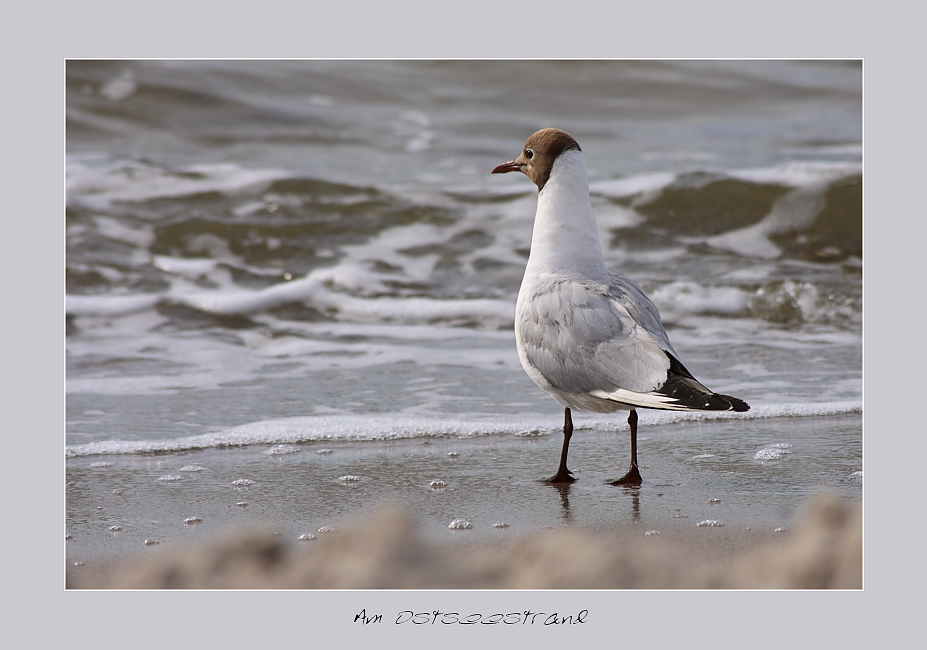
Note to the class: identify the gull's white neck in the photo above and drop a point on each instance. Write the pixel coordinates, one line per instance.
(565, 237)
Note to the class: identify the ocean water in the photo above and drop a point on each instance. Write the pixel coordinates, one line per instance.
(265, 253)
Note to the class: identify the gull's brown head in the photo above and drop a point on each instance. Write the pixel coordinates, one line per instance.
(538, 156)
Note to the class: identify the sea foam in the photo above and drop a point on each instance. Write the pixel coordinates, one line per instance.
(381, 427)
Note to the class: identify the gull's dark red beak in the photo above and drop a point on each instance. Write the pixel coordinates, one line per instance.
(510, 166)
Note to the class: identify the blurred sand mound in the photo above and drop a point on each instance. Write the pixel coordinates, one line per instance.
(824, 551)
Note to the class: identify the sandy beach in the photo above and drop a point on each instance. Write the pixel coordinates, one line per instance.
(470, 513)
(388, 552)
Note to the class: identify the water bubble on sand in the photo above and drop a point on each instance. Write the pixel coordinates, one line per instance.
(349, 478)
(460, 524)
(281, 450)
(117, 492)
(171, 477)
(780, 529)
(328, 529)
(772, 452)
(192, 468)
(306, 537)
(151, 542)
(715, 500)
(78, 563)
(101, 463)
(500, 524)
(710, 523)
(324, 451)
(115, 529)
(242, 482)
(242, 504)
(438, 484)
(652, 532)
(193, 520)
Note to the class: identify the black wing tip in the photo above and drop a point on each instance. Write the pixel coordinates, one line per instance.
(697, 400)
(737, 405)
(701, 399)
(719, 402)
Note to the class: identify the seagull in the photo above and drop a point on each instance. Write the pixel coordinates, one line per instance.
(589, 337)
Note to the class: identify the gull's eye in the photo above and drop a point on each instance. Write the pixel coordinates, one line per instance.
(529, 154)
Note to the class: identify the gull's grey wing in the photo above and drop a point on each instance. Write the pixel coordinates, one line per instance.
(641, 309)
(587, 337)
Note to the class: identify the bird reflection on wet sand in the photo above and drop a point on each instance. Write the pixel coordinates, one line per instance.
(563, 490)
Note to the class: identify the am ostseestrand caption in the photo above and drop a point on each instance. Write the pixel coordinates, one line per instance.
(437, 617)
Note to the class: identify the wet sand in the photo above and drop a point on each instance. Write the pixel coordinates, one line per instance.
(707, 515)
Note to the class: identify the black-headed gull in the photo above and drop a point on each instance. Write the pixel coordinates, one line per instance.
(587, 336)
